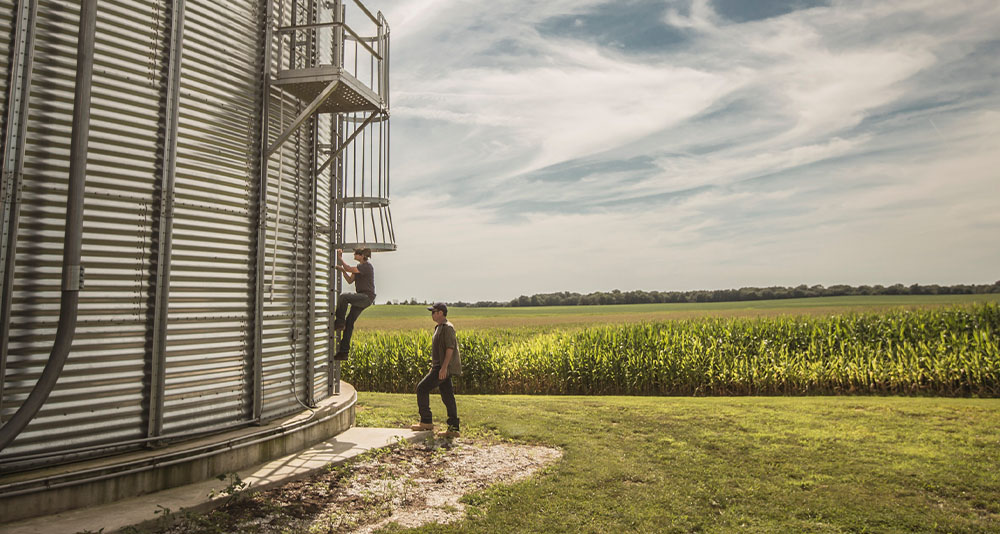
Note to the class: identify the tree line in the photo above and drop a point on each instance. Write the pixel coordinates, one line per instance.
(567, 298)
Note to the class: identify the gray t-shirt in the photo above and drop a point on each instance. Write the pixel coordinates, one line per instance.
(445, 338)
(364, 280)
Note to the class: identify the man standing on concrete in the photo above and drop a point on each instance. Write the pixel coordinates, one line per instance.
(363, 278)
(445, 363)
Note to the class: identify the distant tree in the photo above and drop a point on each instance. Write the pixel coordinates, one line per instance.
(616, 296)
(895, 289)
(839, 290)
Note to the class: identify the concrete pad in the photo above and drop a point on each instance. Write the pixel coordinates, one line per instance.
(146, 510)
(46, 491)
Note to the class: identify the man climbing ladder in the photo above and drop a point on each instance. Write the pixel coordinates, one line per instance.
(363, 278)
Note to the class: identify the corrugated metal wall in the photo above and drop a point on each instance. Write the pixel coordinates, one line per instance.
(209, 335)
(7, 15)
(297, 255)
(6, 28)
(101, 385)
(103, 395)
(324, 259)
(288, 266)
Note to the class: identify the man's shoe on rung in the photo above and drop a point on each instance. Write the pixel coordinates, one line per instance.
(420, 427)
(339, 325)
(340, 355)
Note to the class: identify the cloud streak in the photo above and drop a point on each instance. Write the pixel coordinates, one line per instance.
(849, 142)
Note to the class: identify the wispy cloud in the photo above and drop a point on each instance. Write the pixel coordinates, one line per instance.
(809, 142)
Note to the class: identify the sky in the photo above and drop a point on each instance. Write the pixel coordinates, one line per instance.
(582, 145)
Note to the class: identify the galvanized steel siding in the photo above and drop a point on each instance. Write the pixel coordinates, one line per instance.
(287, 262)
(209, 338)
(6, 28)
(103, 394)
(286, 265)
(324, 256)
(101, 386)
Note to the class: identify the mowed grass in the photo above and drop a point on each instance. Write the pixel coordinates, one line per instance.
(845, 464)
(407, 317)
(732, 464)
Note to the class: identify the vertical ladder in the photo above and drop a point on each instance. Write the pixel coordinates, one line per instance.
(12, 162)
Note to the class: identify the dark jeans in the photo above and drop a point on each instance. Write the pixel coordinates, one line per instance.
(424, 389)
(358, 302)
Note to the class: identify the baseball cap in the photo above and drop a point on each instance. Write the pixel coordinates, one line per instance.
(438, 306)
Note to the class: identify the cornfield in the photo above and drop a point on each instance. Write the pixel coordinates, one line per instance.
(944, 352)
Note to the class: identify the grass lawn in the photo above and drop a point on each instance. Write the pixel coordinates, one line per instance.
(733, 464)
(406, 317)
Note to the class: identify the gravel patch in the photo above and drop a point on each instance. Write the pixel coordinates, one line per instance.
(409, 485)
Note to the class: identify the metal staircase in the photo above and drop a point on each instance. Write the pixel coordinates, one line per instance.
(315, 66)
(332, 59)
(325, 64)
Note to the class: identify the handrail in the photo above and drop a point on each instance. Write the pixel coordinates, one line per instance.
(384, 64)
(286, 29)
(320, 25)
(358, 39)
(373, 39)
(369, 13)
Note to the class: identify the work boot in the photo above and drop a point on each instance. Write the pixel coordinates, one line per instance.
(449, 434)
(420, 427)
(339, 326)
(340, 355)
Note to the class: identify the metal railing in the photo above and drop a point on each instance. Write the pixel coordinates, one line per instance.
(332, 41)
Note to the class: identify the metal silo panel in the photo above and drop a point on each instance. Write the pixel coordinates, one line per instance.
(324, 257)
(285, 335)
(323, 305)
(99, 394)
(209, 337)
(6, 28)
(287, 291)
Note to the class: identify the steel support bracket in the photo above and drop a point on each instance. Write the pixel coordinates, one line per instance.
(308, 112)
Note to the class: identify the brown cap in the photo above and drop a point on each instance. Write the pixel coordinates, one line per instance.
(438, 306)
